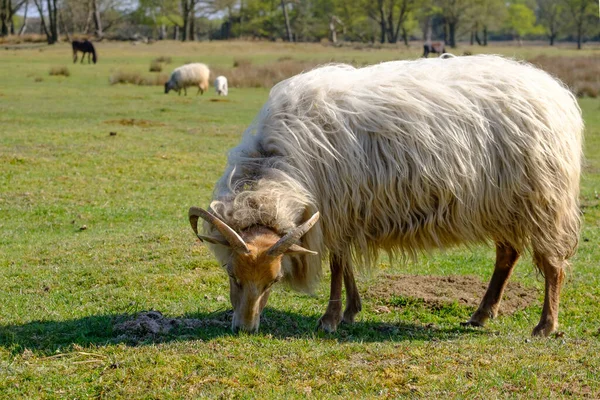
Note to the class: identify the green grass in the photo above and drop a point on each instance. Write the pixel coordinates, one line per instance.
(63, 288)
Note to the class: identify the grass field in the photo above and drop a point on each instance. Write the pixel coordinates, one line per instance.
(93, 230)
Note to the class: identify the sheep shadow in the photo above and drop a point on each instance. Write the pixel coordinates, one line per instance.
(147, 328)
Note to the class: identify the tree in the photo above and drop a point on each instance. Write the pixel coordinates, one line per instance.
(8, 9)
(551, 17)
(584, 13)
(520, 21)
(50, 28)
(391, 16)
(453, 11)
(288, 28)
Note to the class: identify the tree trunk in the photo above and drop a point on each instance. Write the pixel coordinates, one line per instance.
(485, 35)
(288, 28)
(452, 32)
(4, 17)
(185, 13)
(472, 40)
(579, 34)
(24, 26)
(552, 37)
(97, 20)
(405, 36)
(382, 23)
(191, 21)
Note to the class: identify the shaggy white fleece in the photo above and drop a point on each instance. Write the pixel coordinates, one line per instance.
(407, 156)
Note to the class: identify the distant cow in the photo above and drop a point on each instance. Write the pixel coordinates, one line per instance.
(433, 47)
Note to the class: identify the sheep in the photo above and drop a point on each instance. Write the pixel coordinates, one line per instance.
(221, 85)
(195, 74)
(433, 47)
(403, 157)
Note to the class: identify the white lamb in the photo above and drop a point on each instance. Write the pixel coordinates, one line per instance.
(195, 74)
(221, 85)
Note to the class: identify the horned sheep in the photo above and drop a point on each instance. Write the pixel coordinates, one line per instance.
(404, 157)
(195, 74)
(221, 85)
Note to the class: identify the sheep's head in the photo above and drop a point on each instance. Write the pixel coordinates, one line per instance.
(167, 87)
(255, 263)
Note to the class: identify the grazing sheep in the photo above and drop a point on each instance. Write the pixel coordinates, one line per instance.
(195, 74)
(221, 85)
(405, 157)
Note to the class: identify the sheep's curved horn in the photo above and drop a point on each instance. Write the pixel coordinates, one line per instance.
(233, 239)
(290, 239)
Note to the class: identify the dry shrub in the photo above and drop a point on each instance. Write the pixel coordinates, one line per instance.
(581, 74)
(38, 79)
(155, 66)
(135, 78)
(266, 76)
(59, 70)
(242, 63)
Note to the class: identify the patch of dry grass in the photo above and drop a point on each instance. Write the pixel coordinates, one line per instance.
(59, 71)
(246, 75)
(136, 78)
(581, 74)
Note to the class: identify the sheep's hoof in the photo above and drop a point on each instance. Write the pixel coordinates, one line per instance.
(328, 323)
(472, 322)
(544, 329)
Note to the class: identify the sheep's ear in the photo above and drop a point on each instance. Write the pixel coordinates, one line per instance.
(213, 240)
(299, 250)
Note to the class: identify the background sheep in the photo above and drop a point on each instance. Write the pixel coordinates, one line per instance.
(221, 85)
(195, 74)
(403, 156)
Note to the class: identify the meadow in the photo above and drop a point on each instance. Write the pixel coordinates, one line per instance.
(95, 183)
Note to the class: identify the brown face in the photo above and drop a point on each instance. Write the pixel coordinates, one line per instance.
(251, 277)
(255, 263)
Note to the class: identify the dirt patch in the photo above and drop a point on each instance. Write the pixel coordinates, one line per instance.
(153, 323)
(134, 122)
(435, 291)
(219, 100)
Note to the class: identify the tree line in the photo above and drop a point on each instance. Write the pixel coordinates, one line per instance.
(382, 21)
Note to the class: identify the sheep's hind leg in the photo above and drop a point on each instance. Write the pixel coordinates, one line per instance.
(333, 315)
(353, 303)
(554, 274)
(506, 258)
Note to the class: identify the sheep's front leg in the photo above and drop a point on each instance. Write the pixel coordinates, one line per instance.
(333, 315)
(185, 90)
(74, 57)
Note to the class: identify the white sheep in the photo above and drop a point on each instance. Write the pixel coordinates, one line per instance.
(195, 74)
(221, 85)
(404, 157)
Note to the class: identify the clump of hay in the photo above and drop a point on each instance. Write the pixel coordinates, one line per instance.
(246, 75)
(59, 71)
(156, 66)
(242, 62)
(136, 78)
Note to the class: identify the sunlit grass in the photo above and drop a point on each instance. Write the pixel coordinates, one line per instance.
(93, 229)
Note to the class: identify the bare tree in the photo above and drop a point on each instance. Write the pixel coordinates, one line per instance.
(7, 11)
(288, 28)
(50, 28)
